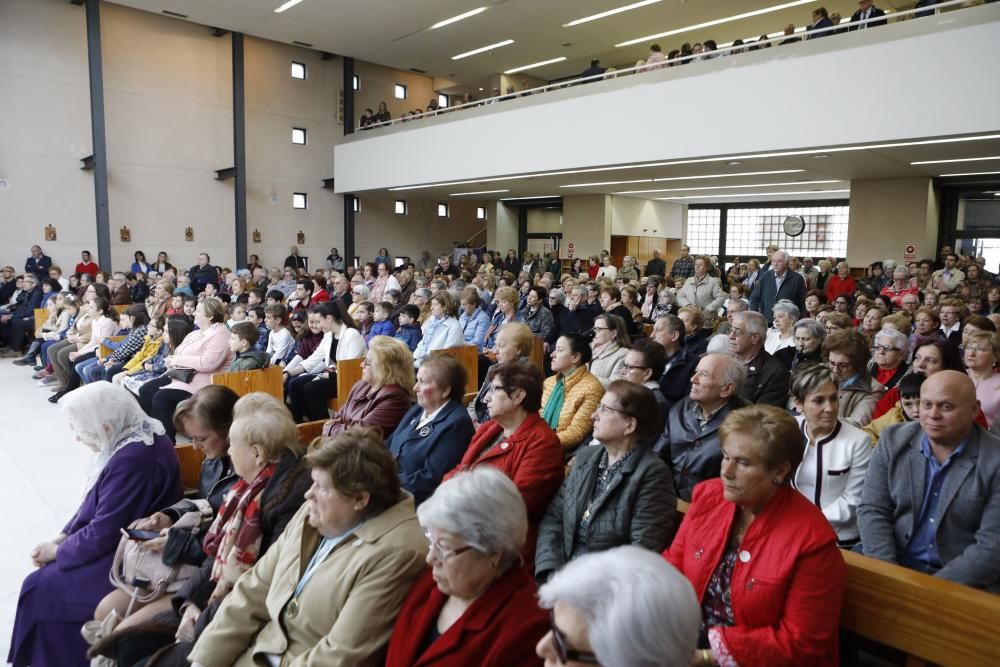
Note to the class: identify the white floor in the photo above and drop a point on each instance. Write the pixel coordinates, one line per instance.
(42, 470)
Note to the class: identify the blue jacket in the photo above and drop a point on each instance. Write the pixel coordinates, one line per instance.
(26, 310)
(495, 325)
(427, 454)
(383, 328)
(411, 335)
(474, 328)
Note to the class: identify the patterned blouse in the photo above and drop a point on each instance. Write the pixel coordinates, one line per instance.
(605, 474)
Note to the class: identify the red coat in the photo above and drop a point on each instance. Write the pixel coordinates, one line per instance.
(835, 287)
(501, 627)
(786, 599)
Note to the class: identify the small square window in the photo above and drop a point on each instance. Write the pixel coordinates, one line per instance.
(357, 82)
(400, 91)
(299, 136)
(298, 70)
(356, 204)
(442, 210)
(400, 207)
(300, 200)
(480, 213)
(442, 101)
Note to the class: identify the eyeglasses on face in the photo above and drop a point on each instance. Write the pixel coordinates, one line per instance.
(840, 365)
(443, 553)
(563, 651)
(628, 368)
(604, 409)
(885, 348)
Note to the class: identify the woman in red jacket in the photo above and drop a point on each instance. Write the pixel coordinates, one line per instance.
(518, 442)
(763, 560)
(841, 284)
(476, 604)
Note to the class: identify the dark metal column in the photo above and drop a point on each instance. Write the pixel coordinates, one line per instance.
(100, 148)
(522, 230)
(349, 220)
(348, 95)
(240, 150)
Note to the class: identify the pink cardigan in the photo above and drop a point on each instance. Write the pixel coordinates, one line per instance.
(207, 351)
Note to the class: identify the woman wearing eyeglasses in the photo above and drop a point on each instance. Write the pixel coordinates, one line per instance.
(982, 351)
(846, 353)
(476, 603)
(618, 493)
(625, 606)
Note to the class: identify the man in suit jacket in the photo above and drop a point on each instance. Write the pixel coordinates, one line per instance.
(821, 20)
(931, 500)
(778, 283)
(767, 378)
(656, 266)
(675, 381)
(867, 10)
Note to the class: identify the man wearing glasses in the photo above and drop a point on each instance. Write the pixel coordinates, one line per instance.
(767, 378)
(889, 365)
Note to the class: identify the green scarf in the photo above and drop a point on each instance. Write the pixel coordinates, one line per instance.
(554, 406)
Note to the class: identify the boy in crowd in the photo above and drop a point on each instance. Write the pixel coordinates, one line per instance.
(255, 297)
(383, 320)
(275, 297)
(906, 410)
(190, 304)
(237, 313)
(255, 316)
(242, 339)
(279, 341)
(176, 305)
(409, 331)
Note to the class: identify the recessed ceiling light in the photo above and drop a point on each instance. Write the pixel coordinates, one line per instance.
(727, 187)
(533, 65)
(961, 159)
(759, 194)
(480, 192)
(483, 49)
(734, 163)
(287, 5)
(533, 197)
(708, 24)
(821, 156)
(610, 12)
(454, 19)
(972, 173)
(480, 90)
(685, 178)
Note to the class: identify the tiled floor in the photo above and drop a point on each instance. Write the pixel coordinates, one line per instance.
(42, 471)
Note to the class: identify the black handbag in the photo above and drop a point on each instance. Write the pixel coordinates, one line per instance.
(181, 374)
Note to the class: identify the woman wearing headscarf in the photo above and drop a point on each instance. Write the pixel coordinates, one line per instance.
(135, 472)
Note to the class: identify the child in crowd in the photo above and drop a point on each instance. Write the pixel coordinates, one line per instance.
(279, 341)
(409, 331)
(176, 328)
(255, 316)
(255, 297)
(242, 340)
(237, 313)
(383, 320)
(907, 409)
(151, 345)
(190, 304)
(308, 338)
(275, 297)
(211, 289)
(363, 317)
(176, 305)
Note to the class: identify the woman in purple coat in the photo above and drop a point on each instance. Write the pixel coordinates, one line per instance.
(135, 473)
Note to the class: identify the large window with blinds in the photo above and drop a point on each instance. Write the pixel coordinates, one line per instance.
(703, 230)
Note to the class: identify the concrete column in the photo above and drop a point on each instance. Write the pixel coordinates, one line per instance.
(887, 214)
(586, 224)
(501, 227)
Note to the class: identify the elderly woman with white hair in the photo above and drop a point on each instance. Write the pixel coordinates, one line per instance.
(476, 602)
(135, 473)
(808, 335)
(782, 334)
(625, 607)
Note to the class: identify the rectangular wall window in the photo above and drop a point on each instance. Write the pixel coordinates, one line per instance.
(357, 82)
(400, 207)
(703, 230)
(442, 210)
(298, 70)
(300, 200)
(442, 101)
(750, 230)
(400, 91)
(299, 136)
(480, 213)
(356, 204)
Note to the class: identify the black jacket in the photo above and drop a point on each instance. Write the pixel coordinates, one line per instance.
(578, 321)
(675, 383)
(875, 13)
(767, 381)
(639, 507)
(183, 544)
(766, 293)
(791, 358)
(201, 276)
(656, 267)
(295, 262)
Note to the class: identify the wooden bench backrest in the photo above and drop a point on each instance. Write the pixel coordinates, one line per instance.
(41, 317)
(648, 330)
(348, 375)
(267, 380)
(190, 461)
(468, 356)
(121, 308)
(927, 618)
(538, 352)
(104, 351)
(310, 431)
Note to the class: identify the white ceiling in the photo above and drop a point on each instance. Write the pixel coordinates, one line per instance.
(395, 33)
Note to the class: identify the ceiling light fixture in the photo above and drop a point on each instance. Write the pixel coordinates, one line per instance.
(727, 187)
(534, 65)
(760, 194)
(287, 5)
(533, 197)
(708, 24)
(821, 156)
(972, 173)
(961, 159)
(610, 12)
(684, 178)
(455, 19)
(483, 49)
(480, 192)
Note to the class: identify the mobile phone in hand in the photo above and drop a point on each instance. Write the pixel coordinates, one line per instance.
(141, 535)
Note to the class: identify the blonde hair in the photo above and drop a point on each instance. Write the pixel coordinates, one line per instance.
(392, 363)
(263, 420)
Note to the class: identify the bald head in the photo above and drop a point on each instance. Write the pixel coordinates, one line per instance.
(948, 408)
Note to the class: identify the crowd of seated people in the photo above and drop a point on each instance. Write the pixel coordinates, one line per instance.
(864, 433)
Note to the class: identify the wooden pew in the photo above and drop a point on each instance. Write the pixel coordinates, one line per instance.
(538, 352)
(190, 460)
(309, 431)
(468, 356)
(348, 374)
(41, 316)
(647, 329)
(267, 380)
(103, 351)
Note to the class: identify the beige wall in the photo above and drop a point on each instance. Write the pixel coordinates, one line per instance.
(45, 130)
(378, 85)
(631, 216)
(888, 213)
(545, 221)
(378, 226)
(501, 227)
(586, 224)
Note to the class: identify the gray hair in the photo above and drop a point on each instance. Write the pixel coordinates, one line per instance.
(361, 290)
(815, 329)
(780, 252)
(900, 269)
(718, 344)
(753, 323)
(810, 377)
(581, 291)
(734, 371)
(740, 305)
(558, 295)
(483, 507)
(640, 611)
(787, 307)
(900, 341)
(423, 292)
(889, 265)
